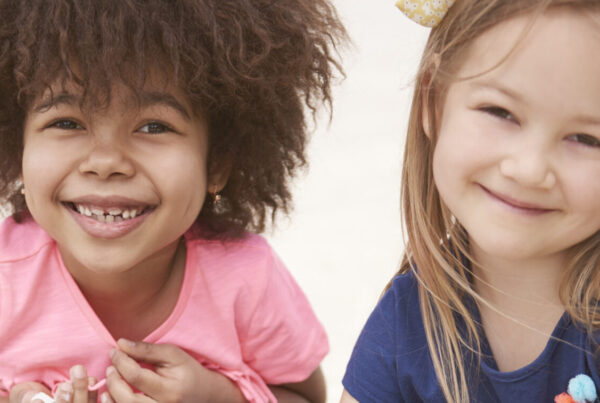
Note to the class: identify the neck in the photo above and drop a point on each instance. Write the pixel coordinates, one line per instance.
(524, 289)
(134, 302)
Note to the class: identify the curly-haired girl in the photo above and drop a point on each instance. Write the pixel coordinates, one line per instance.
(118, 119)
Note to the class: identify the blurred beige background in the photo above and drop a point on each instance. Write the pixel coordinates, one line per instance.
(343, 241)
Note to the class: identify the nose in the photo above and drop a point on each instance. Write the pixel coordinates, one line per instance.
(107, 159)
(529, 167)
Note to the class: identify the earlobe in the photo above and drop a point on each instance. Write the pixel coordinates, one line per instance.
(425, 114)
(218, 175)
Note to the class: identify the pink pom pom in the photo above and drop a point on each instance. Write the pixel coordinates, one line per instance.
(564, 398)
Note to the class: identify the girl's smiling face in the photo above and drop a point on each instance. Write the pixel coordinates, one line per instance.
(517, 159)
(117, 186)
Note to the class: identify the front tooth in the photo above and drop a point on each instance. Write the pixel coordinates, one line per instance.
(125, 214)
(110, 218)
(100, 217)
(115, 211)
(97, 212)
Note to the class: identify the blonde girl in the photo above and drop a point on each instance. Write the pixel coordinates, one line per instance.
(497, 296)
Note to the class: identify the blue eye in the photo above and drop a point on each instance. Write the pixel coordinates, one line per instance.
(499, 112)
(66, 124)
(155, 128)
(585, 139)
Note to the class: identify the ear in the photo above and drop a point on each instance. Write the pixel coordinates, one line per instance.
(426, 107)
(218, 174)
(425, 111)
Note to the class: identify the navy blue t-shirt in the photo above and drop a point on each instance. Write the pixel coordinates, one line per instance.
(391, 361)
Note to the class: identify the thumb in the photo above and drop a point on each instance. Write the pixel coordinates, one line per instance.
(156, 354)
(24, 392)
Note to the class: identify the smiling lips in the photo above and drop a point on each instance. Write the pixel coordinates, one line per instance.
(527, 208)
(108, 218)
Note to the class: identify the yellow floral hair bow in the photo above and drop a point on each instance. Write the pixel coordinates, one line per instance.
(425, 12)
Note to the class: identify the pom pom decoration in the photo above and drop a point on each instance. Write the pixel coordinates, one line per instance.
(582, 389)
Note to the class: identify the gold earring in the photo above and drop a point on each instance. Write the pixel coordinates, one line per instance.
(215, 195)
(23, 190)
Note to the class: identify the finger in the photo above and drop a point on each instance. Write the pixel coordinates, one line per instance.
(145, 380)
(157, 354)
(64, 393)
(120, 391)
(79, 382)
(105, 398)
(24, 392)
(92, 395)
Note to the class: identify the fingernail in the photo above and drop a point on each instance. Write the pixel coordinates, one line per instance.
(66, 387)
(110, 370)
(66, 396)
(126, 342)
(112, 352)
(92, 381)
(78, 372)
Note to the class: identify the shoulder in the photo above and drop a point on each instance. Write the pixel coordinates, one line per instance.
(391, 359)
(248, 263)
(21, 240)
(250, 249)
(402, 298)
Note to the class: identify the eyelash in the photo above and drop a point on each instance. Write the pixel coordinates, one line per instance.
(586, 140)
(498, 112)
(163, 128)
(59, 124)
(70, 124)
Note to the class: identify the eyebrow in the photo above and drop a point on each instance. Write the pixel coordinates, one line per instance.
(147, 99)
(493, 86)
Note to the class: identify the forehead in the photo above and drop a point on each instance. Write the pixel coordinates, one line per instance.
(100, 97)
(554, 53)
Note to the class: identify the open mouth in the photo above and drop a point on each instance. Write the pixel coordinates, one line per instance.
(110, 214)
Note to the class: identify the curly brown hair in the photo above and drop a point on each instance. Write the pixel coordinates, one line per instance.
(254, 67)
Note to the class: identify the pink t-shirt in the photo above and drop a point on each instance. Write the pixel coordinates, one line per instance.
(239, 312)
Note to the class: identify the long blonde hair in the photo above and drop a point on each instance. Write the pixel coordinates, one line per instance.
(434, 243)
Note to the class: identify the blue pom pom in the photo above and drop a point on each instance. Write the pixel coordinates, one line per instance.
(582, 389)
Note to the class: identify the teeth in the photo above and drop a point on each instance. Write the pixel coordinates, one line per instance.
(113, 214)
(97, 212)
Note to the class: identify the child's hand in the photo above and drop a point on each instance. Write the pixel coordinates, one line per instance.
(178, 377)
(76, 390)
(24, 392)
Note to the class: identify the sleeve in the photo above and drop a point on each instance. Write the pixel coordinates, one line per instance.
(284, 342)
(371, 374)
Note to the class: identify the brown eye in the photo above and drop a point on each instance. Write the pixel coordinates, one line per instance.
(66, 124)
(155, 128)
(499, 112)
(585, 139)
